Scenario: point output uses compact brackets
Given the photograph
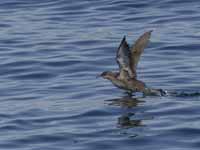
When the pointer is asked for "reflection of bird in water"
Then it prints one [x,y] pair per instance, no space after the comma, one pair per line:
[127,59]
[125,120]
[125,102]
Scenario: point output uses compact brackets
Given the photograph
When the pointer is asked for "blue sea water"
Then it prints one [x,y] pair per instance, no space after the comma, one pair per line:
[51,52]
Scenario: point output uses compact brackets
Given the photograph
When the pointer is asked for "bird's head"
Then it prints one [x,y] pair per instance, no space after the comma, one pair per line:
[108,75]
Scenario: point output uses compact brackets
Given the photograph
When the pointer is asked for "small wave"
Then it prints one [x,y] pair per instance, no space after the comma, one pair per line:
[185,94]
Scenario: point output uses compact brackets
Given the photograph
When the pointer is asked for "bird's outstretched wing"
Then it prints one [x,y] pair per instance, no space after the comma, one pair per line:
[123,59]
[137,49]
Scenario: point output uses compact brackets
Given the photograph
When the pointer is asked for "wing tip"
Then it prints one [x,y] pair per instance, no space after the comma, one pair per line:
[124,39]
[123,42]
[148,32]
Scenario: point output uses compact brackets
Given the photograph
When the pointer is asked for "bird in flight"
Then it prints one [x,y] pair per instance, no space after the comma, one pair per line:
[127,58]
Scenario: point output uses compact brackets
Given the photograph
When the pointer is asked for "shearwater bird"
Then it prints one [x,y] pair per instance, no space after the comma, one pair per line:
[127,58]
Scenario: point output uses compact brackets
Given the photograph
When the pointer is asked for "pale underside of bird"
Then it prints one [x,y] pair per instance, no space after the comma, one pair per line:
[127,58]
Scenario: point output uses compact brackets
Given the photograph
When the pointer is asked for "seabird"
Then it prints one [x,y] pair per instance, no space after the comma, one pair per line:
[127,58]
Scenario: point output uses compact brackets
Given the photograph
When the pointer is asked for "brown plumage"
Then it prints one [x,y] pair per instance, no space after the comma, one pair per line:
[127,58]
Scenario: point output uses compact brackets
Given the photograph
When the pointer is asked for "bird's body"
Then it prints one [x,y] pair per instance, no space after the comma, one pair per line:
[127,59]
[131,85]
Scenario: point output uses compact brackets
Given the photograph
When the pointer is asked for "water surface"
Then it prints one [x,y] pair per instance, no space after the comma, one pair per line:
[51,52]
